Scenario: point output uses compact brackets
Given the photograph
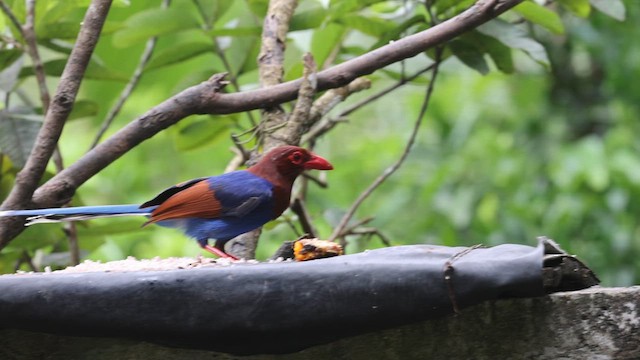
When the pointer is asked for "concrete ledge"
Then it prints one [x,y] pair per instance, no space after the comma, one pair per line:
[597,323]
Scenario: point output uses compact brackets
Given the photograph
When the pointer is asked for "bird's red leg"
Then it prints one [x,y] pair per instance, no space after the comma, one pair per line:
[218,252]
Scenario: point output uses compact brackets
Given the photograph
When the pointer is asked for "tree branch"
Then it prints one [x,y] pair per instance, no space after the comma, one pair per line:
[12,17]
[29,34]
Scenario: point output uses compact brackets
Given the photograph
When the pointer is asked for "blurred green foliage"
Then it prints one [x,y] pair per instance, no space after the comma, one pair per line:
[531,130]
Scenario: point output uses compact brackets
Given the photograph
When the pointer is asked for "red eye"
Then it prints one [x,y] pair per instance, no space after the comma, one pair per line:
[296,158]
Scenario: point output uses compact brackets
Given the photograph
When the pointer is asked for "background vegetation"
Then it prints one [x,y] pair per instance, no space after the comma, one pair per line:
[531,129]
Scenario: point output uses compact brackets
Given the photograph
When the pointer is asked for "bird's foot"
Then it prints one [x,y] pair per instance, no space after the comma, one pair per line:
[218,252]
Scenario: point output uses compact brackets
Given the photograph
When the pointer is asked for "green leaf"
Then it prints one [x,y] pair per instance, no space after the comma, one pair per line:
[3,23]
[95,71]
[581,8]
[397,31]
[84,108]
[613,8]
[368,25]
[211,10]
[258,7]
[239,31]
[58,30]
[249,63]
[81,108]
[470,55]
[442,6]
[626,162]
[499,53]
[516,38]
[49,13]
[540,15]
[342,7]
[324,40]
[51,68]
[594,161]
[9,73]
[387,7]
[8,57]
[178,53]
[471,48]
[308,19]
[153,22]
[488,208]
[17,136]
[200,131]
[57,46]
[395,75]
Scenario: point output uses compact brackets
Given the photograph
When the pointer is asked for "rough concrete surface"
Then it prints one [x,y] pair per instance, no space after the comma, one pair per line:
[597,323]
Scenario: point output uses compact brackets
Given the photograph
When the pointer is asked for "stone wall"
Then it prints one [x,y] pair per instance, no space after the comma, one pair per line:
[597,323]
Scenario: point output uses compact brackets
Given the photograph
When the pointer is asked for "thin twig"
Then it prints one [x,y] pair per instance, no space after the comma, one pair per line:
[318,181]
[25,258]
[292,226]
[131,85]
[404,80]
[71,231]
[29,34]
[12,17]
[359,229]
[357,224]
[239,159]
[232,77]
[370,232]
[6,40]
[330,122]
[223,57]
[390,170]
[448,271]
[326,103]
[299,208]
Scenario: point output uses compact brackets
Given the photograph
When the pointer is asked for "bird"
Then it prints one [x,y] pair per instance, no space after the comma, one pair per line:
[209,208]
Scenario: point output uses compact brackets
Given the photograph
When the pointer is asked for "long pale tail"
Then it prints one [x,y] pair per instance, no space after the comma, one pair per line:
[39,216]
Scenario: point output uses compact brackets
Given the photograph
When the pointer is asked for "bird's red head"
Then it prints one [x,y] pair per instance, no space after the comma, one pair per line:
[289,162]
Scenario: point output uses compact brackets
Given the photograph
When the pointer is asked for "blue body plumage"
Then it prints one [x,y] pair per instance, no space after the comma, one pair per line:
[218,207]
[246,202]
